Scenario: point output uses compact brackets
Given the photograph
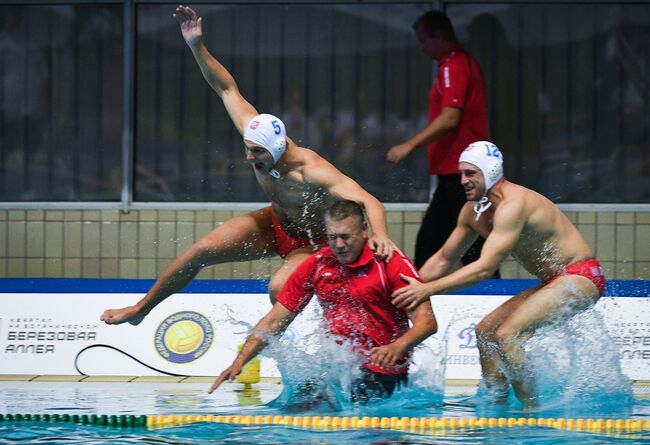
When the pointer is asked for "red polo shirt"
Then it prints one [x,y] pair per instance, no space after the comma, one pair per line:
[459,84]
[356,298]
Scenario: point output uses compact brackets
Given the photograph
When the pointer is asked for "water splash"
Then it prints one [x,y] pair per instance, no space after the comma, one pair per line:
[311,365]
[577,368]
[424,393]
[230,318]
[318,373]
[577,372]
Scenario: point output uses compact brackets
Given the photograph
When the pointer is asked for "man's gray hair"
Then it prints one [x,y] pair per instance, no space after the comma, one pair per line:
[345,208]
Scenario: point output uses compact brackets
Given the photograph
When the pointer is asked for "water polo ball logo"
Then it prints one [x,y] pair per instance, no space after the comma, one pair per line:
[184,337]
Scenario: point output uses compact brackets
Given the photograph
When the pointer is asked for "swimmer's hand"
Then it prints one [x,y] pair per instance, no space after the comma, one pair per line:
[229,373]
[410,296]
[190,24]
[397,153]
[386,356]
[382,246]
[129,314]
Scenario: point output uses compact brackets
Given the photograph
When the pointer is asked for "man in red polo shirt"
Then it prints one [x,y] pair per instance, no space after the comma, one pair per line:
[354,289]
[457,118]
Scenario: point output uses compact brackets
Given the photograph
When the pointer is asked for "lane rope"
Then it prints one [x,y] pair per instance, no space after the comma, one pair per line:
[333,422]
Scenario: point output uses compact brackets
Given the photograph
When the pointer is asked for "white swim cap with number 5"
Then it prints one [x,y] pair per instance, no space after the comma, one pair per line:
[267,131]
[487,157]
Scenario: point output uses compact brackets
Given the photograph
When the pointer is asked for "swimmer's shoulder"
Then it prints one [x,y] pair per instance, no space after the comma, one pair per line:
[309,156]
[529,200]
[315,168]
[302,157]
[300,161]
[514,203]
[467,214]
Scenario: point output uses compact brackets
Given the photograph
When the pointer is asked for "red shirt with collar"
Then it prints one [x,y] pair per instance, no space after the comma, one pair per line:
[459,84]
[356,298]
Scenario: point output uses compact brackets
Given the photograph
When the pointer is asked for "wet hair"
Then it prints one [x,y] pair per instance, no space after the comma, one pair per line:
[345,208]
[436,21]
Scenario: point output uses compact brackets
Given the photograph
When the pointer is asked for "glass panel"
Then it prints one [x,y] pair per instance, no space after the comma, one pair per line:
[60,102]
[569,94]
[568,88]
[348,81]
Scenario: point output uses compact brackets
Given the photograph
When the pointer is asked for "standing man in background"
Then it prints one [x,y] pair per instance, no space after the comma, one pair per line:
[457,118]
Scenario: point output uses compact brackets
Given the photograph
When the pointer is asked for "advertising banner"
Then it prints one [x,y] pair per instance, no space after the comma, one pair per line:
[188,334]
[626,320]
[198,334]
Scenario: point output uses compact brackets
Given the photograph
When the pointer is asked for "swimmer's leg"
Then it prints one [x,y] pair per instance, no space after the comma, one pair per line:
[560,299]
[493,364]
[243,238]
[289,264]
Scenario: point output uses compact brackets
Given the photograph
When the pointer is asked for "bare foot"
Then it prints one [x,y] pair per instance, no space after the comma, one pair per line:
[496,392]
[119,316]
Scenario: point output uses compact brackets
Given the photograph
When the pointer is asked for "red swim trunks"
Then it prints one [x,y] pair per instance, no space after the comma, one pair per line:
[589,269]
[287,243]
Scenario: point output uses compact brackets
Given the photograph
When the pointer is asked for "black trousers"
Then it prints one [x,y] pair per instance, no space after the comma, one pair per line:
[368,386]
[440,220]
[374,386]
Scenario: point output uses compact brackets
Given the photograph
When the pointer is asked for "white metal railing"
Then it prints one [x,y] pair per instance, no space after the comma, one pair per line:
[245,206]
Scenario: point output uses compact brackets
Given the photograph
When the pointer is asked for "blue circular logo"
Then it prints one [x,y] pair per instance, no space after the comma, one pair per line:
[183,337]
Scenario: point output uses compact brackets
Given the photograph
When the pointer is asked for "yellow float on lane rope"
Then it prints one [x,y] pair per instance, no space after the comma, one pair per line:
[421,424]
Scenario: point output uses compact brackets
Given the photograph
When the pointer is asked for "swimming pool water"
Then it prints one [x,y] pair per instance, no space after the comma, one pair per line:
[192,398]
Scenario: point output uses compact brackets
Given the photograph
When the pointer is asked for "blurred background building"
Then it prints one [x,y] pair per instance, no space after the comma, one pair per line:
[115,154]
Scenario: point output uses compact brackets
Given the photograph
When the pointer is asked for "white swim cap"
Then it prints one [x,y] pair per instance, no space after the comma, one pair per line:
[267,131]
[487,157]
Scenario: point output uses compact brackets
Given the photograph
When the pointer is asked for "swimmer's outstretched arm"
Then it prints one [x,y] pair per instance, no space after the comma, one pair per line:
[217,76]
[509,222]
[424,325]
[450,254]
[273,323]
[324,174]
